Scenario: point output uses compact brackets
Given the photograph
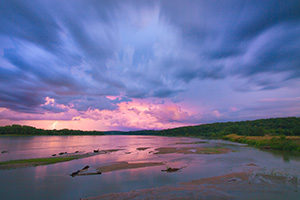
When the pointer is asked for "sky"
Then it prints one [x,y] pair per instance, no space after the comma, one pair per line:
[131,65]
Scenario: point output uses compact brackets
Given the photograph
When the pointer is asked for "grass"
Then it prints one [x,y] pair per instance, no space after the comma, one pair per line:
[211,150]
[39,161]
[287,143]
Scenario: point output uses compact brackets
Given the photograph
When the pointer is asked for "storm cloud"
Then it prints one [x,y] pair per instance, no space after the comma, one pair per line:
[93,55]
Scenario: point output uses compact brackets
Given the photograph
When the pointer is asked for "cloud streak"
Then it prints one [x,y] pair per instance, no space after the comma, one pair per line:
[97,56]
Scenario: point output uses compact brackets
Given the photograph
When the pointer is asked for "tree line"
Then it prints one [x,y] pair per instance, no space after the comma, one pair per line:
[289,126]
[29,130]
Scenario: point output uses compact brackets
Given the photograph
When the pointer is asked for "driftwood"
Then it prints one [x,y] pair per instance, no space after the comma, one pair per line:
[81,170]
[75,173]
[86,167]
[170,169]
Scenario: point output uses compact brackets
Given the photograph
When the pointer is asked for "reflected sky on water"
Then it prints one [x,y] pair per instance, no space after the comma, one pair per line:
[54,182]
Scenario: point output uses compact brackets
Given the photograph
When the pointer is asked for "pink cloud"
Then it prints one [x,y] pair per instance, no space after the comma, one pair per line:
[167,113]
[138,114]
[216,113]
[233,109]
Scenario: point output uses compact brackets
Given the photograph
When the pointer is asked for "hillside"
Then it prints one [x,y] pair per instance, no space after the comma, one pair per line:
[289,126]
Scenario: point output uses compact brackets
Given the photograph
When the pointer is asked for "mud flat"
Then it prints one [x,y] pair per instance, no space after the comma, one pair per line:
[117,166]
[125,165]
[192,150]
[199,142]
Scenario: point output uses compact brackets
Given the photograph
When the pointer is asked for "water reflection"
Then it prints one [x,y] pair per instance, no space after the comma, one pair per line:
[285,155]
[40,182]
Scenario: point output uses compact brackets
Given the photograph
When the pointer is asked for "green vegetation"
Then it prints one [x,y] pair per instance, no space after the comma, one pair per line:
[38,160]
[35,162]
[28,130]
[275,133]
[41,161]
[289,126]
[287,143]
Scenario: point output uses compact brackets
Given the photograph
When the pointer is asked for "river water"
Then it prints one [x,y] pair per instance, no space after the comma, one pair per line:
[54,182]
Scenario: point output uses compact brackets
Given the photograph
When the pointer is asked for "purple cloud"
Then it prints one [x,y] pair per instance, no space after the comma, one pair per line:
[209,55]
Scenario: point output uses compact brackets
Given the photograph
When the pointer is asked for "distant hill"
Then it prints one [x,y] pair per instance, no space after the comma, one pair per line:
[289,126]
[140,132]
[275,126]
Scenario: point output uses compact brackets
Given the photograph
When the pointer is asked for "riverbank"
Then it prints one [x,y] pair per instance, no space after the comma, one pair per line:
[285,143]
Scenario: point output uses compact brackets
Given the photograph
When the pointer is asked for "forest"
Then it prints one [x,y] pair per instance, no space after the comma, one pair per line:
[289,126]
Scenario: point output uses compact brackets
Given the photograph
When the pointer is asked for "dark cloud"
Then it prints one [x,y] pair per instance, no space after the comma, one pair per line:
[227,32]
[86,103]
[78,53]
[122,99]
[266,15]
[53,109]
[20,100]
[29,20]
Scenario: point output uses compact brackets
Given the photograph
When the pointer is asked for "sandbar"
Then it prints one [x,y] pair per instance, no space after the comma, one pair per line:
[125,165]
[32,162]
[192,150]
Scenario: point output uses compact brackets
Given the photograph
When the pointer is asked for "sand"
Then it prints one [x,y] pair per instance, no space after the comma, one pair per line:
[119,166]
[191,150]
[199,142]
[125,165]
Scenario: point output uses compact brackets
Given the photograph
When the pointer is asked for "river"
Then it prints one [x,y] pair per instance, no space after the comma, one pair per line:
[54,182]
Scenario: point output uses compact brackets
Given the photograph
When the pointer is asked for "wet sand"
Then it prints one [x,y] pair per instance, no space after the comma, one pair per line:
[117,166]
[125,165]
[233,177]
[199,142]
[192,150]
[238,185]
